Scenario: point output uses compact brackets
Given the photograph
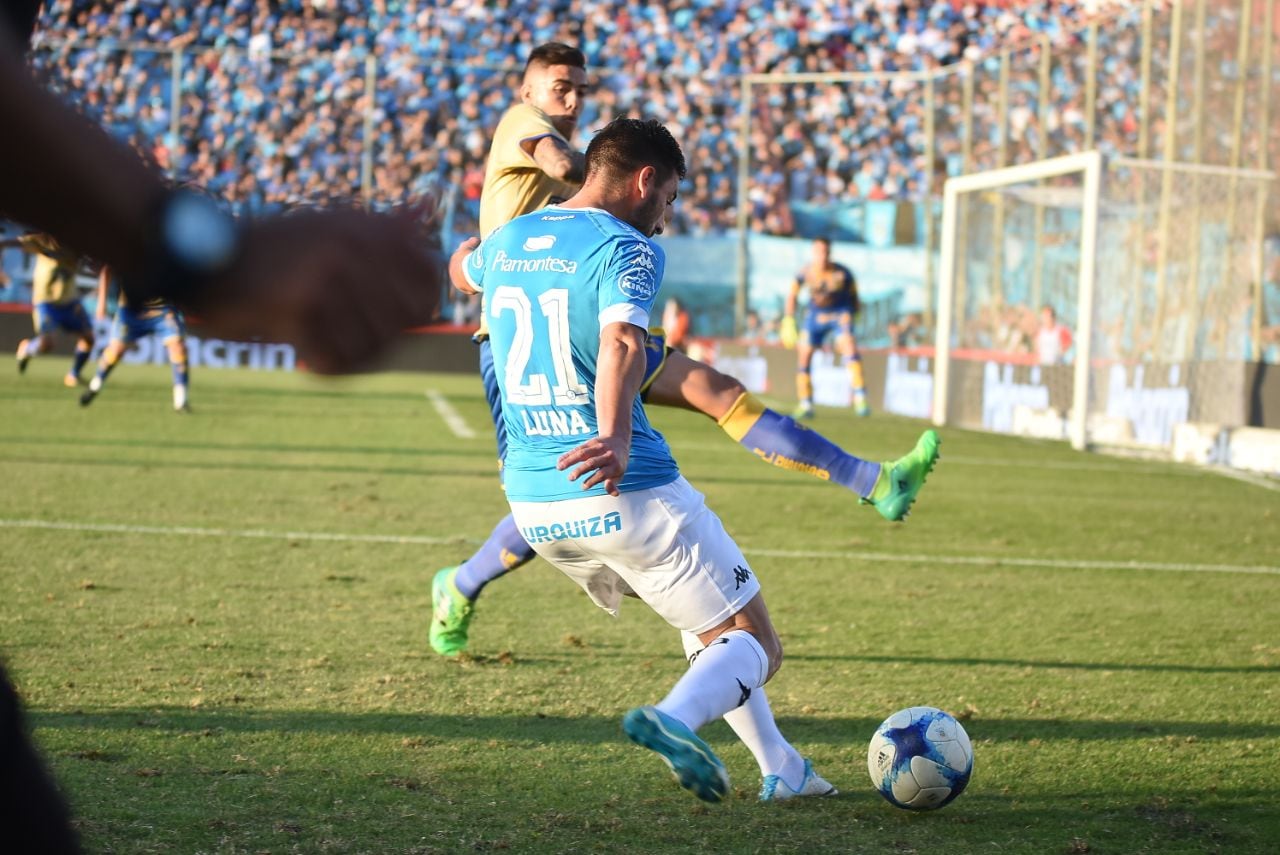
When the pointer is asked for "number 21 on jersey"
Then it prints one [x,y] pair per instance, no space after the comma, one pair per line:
[537,390]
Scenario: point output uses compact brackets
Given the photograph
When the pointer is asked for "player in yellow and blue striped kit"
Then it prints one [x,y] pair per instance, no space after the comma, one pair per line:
[55,303]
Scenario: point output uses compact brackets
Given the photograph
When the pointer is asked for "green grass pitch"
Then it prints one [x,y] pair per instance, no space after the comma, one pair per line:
[218,624]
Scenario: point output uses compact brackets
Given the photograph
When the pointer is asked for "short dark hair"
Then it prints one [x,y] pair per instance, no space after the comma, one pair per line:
[823,239]
[556,53]
[627,145]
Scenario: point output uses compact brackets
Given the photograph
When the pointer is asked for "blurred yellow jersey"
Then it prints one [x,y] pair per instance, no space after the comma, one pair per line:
[54,278]
[513,183]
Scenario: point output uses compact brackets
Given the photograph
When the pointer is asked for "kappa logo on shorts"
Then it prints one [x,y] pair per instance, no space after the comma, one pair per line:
[740,575]
[589,527]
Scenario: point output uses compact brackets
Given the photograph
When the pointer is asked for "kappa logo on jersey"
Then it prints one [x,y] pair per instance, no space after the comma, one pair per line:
[555,218]
[588,527]
[645,261]
[539,243]
[550,264]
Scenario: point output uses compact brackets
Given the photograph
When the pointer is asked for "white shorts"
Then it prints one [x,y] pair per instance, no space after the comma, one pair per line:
[663,544]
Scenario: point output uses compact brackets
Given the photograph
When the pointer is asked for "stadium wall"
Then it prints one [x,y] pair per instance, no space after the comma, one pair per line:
[995,392]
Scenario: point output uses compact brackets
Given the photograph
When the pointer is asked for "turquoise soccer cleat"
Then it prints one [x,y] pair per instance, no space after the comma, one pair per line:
[450,614]
[775,789]
[692,761]
[900,480]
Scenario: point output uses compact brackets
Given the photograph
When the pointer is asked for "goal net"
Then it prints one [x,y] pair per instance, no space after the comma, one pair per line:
[1100,300]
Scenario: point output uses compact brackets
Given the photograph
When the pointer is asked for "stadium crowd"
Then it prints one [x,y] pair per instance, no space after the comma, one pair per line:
[268,108]
[272,108]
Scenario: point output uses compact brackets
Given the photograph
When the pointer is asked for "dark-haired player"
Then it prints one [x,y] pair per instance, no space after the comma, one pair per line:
[531,164]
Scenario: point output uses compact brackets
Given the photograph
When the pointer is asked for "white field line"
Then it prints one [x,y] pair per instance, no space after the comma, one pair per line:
[191,531]
[1247,477]
[849,555]
[450,416]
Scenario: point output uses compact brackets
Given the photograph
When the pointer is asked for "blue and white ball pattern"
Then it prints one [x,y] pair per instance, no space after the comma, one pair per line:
[920,758]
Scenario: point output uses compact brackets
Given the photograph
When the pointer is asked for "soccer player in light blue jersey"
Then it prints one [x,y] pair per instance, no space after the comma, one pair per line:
[593,488]
[530,163]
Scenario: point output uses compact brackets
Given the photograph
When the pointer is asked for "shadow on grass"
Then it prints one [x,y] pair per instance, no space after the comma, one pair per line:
[592,729]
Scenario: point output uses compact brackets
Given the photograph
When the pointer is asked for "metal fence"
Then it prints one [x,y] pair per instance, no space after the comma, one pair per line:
[1191,81]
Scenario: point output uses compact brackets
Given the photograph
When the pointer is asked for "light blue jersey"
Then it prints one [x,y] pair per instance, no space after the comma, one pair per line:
[551,281]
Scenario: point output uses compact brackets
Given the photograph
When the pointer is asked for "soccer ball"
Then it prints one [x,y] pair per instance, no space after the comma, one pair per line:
[920,758]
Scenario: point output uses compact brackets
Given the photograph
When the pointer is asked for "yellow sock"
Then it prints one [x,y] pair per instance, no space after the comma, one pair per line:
[742,416]
[804,386]
[855,375]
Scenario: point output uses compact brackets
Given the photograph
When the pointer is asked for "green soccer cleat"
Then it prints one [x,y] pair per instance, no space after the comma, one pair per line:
[860,405]
[900,480]
[450,614]
[691,760]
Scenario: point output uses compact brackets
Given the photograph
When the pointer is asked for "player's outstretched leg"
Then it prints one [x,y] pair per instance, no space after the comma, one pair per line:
[785,773]
[110,357]
[804,391]
[721,677]
[27,348]
[787,444]
[901,479]
[454,590]
[857,386]
[177,348]
[83,348]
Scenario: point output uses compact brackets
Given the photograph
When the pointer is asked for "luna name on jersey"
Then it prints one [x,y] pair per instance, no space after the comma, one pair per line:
[553,423]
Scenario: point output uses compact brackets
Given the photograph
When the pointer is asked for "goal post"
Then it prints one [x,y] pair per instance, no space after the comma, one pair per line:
[1089,165]
[1101,300]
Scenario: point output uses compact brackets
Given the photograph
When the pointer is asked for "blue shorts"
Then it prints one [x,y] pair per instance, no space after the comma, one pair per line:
[129,327]
[818,324]
[51,317]
[655,352]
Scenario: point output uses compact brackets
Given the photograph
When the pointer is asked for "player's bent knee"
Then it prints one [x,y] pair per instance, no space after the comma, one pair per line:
[111,355]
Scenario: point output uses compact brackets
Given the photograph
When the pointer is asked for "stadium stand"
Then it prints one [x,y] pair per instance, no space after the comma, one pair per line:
[273,104]
[271,96]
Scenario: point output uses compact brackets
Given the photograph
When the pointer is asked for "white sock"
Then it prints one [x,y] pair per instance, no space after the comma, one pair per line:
[95,385]
[754,724]
[179,396]
[721,677]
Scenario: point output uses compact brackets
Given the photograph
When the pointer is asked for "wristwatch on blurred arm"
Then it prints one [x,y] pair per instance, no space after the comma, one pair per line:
[191,243]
